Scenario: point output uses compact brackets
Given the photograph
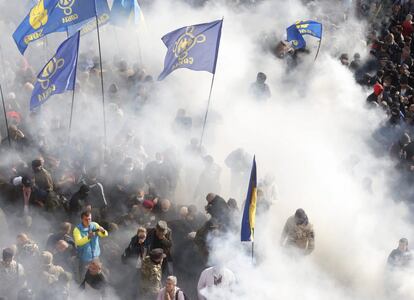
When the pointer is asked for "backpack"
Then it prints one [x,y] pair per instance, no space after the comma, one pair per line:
[177,292]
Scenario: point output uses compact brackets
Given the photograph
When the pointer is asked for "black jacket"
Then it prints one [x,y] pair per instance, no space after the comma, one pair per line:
[219,210]
[135,250]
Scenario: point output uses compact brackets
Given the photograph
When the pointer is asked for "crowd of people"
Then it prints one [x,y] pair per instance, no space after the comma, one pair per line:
[83,220]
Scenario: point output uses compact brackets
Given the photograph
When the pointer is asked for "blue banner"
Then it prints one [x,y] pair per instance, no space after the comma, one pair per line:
[59,74]
[102,10]
[192,47]
[296,32]
[49,16]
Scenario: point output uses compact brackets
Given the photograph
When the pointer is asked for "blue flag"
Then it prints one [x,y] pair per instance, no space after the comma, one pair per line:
[59,74]
[249,213]
[125,12]
[102,10]
[192,47]
[296,32]
[49,16]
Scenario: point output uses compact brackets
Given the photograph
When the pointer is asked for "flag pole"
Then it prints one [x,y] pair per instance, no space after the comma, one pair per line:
[73,92]
[139,47]
[209,96]
[71,111]
[5,115]
[319,47]
[252,252]
[102,80]
[208,107]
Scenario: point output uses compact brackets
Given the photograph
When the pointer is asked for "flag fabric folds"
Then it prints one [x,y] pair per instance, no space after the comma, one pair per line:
[125,12]
[296,32]
[59,74]
[49,16]
[193,47]
[249,213]
[103,13]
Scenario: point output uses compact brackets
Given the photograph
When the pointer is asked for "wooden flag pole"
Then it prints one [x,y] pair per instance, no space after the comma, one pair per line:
[5,115]
[102,80]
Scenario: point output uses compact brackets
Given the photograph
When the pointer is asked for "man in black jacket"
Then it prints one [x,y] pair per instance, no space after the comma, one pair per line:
[79,200]
[217,208]
[160,237]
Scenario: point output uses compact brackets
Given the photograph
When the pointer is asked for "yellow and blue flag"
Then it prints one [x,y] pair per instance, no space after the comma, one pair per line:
[193,47]
[125,12]
[249,213]
[296,32]
[49,16]
[59,74]
[103,13]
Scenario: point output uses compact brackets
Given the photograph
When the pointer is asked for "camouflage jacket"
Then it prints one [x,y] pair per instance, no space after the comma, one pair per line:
[299,236]
[150,276]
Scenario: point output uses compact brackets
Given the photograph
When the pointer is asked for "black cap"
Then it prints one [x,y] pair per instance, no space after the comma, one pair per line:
[157,254]
[36,163]
[8,253]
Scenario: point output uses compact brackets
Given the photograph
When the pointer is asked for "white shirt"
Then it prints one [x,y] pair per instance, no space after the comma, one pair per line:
[213,279]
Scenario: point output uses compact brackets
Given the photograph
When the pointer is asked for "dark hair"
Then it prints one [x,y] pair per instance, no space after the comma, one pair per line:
[85,214]
[84,189]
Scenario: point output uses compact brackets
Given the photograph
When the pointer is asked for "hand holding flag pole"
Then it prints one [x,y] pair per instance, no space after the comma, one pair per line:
[296,32]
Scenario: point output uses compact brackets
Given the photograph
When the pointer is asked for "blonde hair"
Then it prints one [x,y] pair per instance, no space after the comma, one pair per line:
[141,229]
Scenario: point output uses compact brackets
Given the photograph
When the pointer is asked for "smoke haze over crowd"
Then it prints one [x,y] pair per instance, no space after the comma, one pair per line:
[314,136]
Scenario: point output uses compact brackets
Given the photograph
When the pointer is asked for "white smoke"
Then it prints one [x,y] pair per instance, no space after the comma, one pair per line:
[313,135]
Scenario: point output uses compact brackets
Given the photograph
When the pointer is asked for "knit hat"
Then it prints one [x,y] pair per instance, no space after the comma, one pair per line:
[378,89]
[148,204]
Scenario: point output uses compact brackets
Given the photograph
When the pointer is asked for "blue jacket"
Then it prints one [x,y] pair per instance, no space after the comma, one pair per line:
[88,249]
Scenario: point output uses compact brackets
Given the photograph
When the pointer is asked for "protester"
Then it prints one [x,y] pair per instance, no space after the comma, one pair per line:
[94,278]
[171,291]
[86,235]
[215,281]
[400,257]
[160,238]
[298,233]
[259,89]
[11,275]
[151,273]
